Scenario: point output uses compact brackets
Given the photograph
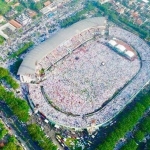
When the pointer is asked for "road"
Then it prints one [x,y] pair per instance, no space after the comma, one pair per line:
[17,128]
[47,129]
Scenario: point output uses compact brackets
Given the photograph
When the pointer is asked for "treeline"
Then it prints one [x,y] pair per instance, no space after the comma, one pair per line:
[10,141]
[118,19]
[3,130]
[39,136]
[22,50]
[125,123]
[143,129]
[12,144]
[71,20]
[6,77]
[37,6]
[18,106]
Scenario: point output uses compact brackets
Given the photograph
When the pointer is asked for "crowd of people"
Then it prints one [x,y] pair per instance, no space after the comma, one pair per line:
[67,47]
[85,79]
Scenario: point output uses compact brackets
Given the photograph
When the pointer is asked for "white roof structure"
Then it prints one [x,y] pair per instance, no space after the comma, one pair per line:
[112,43]
[29,63]
[56,126]
[130,54]
[48,9]
[120,48]
[146,1]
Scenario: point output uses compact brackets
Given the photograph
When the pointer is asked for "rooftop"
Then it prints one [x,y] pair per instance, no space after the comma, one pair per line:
[15,23]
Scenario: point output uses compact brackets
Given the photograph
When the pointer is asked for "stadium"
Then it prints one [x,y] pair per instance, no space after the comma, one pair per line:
[85,74]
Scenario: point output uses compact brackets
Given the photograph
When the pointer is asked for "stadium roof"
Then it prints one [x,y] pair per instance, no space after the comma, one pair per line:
[36,54]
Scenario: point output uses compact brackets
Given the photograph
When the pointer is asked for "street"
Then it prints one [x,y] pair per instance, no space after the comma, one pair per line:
[17,128]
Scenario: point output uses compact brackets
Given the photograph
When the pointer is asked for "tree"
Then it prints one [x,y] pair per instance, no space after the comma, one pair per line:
[19,107]
[5,75]
[11,146]
[139,135]
[145,125]
[3,130]
[36,6]
[39,136]
[131,145]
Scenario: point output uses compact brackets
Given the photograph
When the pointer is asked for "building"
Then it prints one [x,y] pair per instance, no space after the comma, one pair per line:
[15,23]
[36,1]
[3,27]
[23,19]
[11,13]
[104,1]
[47,3]
[48,9]
[31,13]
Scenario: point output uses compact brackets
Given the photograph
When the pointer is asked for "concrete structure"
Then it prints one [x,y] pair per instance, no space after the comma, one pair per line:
[7,25]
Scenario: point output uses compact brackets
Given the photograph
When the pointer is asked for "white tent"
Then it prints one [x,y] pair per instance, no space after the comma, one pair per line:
[120,48]
[112,43]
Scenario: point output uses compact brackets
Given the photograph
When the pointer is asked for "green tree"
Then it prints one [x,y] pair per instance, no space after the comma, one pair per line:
[3,130]
[39,136]
[145,125]
[139,135]
[131,145]
[37,6]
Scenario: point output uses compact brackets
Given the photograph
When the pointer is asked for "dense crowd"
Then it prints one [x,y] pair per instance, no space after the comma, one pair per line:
[84,80]
[68,47]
